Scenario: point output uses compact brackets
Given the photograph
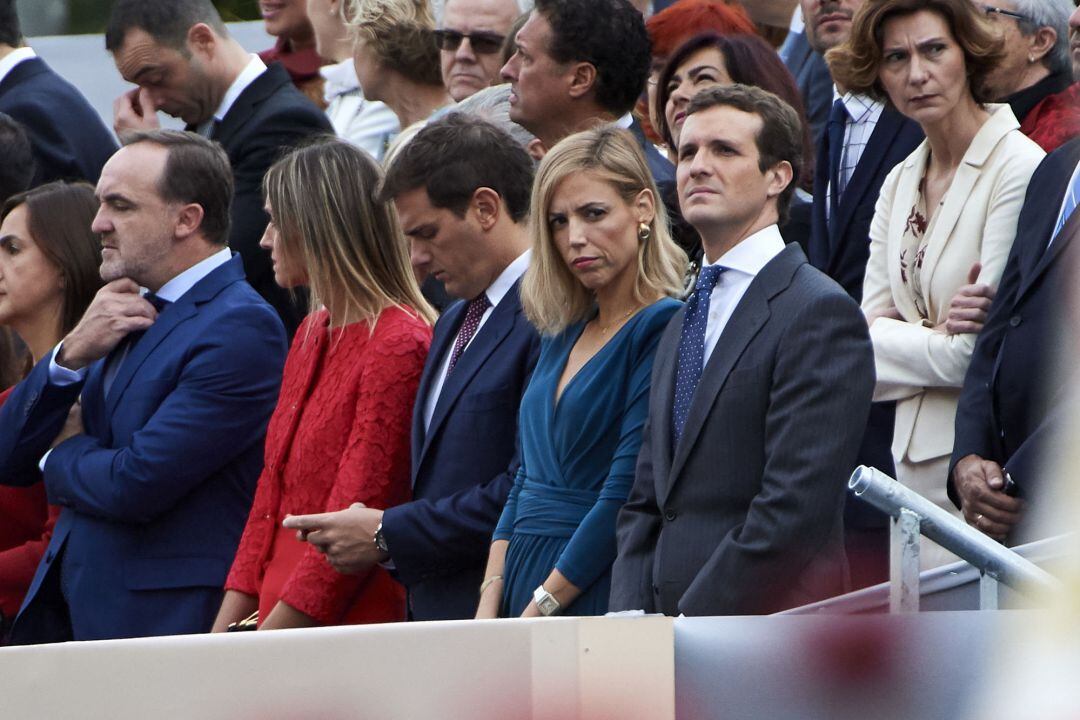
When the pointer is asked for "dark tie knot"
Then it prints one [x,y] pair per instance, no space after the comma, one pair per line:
[708,277]
[839,113]
[158,302]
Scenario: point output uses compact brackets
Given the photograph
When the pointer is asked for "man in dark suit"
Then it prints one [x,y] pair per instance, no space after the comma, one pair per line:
[863,140]
[461,187]
[180,55]
[579,64]
[1014,396]
[154,408]
[760,390]
[68,138]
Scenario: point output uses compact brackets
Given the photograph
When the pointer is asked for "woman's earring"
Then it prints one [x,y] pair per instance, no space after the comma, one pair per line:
[644,232]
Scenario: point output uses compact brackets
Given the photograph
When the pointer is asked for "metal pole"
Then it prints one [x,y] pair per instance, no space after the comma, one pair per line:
[987,555]
[989,592]
[904,563]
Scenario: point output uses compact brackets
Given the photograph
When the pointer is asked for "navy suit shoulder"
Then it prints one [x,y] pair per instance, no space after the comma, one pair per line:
[463,465]
[69,140]
[156,492]
[1011,394]
[269,118]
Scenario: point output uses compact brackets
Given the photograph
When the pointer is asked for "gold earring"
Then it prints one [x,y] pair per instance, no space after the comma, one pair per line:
[644,232]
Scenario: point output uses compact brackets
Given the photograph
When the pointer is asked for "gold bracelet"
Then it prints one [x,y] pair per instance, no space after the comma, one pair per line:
[484,585]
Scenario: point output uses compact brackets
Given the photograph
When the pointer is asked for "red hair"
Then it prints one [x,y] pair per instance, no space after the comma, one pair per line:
[670,27]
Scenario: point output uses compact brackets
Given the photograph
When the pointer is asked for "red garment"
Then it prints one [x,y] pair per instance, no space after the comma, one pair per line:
[26,525]
[302,66]
[1055,120]
[339,435]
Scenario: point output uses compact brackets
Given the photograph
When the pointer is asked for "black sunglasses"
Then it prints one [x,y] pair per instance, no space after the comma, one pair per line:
[991,10]
[483,43]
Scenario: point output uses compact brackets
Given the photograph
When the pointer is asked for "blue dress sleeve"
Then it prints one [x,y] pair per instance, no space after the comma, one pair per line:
[592,549]
[505,528]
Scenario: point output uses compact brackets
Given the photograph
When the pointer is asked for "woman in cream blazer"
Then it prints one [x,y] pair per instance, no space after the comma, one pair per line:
[945,213]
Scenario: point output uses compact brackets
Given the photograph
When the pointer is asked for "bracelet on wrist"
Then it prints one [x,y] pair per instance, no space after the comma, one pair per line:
[484,585]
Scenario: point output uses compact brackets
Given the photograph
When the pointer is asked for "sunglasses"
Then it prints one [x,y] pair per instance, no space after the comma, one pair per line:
[990,11]
[483,43]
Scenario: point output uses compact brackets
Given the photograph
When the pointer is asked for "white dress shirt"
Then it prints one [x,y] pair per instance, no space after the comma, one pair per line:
[743,263]
[495,294]
[248,75]
[13,58]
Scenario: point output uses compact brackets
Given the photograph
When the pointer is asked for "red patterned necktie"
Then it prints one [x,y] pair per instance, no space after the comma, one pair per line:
[475,311]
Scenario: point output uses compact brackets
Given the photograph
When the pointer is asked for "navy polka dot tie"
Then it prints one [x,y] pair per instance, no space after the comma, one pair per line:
[692,347]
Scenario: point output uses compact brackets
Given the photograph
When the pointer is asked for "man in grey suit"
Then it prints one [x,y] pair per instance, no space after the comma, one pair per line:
[760,391]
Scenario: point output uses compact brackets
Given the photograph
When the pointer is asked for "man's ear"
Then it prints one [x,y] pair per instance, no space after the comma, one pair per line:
[486,206]
[202,40]
[779,177]
[582,79]
[188,221]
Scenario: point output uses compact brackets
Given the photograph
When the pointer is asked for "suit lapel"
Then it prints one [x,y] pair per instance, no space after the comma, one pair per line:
[445,332]
[1050,208]
[487,338]
[241,111]
[663,390]
[1067,235]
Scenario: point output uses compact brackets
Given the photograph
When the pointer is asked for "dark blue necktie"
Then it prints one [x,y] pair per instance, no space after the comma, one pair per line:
[120,353]
[835,130]
[691,359]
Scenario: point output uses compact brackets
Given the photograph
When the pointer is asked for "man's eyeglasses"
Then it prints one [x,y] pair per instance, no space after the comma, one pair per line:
[483,43]
[991,11]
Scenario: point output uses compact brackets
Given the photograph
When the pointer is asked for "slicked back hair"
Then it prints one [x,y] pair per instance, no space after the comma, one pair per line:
[167,21]
[455,156]
[196,171]
[608,34]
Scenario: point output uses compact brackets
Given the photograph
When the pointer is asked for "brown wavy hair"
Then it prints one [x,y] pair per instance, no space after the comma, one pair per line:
[856,64]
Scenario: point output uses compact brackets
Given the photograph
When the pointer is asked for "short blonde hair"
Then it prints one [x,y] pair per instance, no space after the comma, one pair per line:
[401,33]
[551,296]
[324,197]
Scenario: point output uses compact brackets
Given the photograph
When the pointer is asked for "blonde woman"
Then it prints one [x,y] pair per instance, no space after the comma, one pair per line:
[600,290]
[340,433]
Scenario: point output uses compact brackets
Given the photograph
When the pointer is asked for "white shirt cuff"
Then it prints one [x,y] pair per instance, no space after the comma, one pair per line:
[44,459]
[60,375]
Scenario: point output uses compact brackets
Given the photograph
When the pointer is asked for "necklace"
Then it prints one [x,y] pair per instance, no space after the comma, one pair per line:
[617,321]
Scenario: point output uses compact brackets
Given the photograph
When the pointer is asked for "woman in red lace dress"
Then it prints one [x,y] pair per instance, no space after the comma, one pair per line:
[49,262]
[340,433]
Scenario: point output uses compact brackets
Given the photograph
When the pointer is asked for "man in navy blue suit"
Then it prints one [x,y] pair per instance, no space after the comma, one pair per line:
[863,140]
[1013,400]
[147,420]
[68,138]
[461,188]
[186,64]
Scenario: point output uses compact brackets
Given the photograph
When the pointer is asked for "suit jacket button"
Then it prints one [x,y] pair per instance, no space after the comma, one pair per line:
[1015,320]
[670,515]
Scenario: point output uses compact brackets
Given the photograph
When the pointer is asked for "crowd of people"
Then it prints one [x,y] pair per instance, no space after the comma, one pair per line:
[500,308]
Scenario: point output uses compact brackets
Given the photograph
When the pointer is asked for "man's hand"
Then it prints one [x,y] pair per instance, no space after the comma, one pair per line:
[346,537]
[980,484]
[72,426]
[115,311]
[134,110]
[970,305]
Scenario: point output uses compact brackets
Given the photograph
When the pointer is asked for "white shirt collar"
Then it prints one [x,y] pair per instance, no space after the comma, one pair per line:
[754,252]
[14,58]
[857,106]
[179,285]
[251,71]
[507,278]
[625,121]
[340,79]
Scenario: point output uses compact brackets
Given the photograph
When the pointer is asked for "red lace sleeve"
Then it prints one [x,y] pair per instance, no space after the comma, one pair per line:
[375,466]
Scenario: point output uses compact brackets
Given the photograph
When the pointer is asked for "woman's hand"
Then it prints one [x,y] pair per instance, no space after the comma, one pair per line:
[564,591]
[491,597]
[286,616]
[969,307]
[235,606]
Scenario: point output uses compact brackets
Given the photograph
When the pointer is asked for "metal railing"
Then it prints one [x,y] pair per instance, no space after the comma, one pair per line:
[913,515]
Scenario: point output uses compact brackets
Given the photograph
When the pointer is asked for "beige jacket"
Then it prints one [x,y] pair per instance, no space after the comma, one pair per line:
[920,368]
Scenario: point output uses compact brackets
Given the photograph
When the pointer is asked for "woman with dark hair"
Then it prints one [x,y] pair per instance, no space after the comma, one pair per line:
[946,216]
[340,432]
[49,261]
[710,59]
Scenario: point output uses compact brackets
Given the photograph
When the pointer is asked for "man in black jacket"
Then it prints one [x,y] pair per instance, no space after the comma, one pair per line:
[185,64]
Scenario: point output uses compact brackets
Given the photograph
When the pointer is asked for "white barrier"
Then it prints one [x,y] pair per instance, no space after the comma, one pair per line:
[547,669]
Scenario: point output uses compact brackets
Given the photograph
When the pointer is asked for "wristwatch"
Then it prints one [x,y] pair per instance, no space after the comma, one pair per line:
[546,602]
[380,540]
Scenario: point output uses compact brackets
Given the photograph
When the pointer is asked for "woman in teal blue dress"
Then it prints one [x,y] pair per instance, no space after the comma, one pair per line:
[599,288]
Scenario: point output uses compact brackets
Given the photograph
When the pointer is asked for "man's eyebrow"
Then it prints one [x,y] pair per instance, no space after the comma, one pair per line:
[113,197]
[418,228]
[144,70]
